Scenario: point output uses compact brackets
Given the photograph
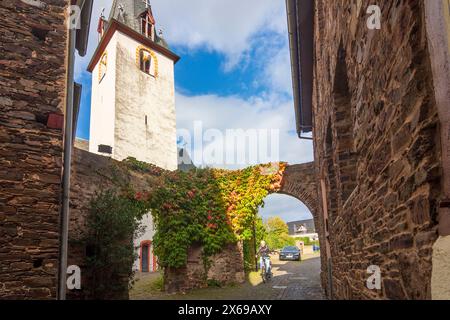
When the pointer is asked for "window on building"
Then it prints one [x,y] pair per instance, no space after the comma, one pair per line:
[145,59]
[102,67]
[147,26]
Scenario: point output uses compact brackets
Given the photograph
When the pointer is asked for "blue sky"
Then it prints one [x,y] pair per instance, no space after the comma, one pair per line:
[234,73]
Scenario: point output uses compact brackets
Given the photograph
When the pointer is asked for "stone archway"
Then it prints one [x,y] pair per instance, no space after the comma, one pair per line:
[299,181]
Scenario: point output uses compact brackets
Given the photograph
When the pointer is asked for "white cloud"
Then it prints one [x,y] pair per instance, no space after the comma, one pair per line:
[231,112]
[227,27]
[279,71]
[286,207]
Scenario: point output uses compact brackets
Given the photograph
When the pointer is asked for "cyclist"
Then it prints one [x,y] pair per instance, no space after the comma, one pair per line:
[264,254]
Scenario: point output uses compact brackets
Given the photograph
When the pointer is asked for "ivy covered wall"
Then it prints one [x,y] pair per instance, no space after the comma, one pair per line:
[198,216]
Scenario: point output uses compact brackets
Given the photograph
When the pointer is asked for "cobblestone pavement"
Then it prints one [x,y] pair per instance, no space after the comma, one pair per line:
[292,281]
[296,280]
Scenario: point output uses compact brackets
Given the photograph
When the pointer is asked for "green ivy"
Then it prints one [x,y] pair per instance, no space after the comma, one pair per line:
[209,207]
[188,209]
[206,207]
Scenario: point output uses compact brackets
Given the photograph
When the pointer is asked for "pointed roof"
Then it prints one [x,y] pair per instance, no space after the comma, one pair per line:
[125,17]
[130,13]
[149,12]
[131,9]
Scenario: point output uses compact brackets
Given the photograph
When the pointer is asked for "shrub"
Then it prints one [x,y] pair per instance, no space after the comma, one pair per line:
[113,221]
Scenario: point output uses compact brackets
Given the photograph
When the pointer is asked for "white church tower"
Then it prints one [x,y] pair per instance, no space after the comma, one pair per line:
[133,91]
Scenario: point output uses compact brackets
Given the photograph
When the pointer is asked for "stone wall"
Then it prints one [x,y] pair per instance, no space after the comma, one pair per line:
[227,267]
[437,17]
[91,174]
[299,181]
[376,138]
[32,87]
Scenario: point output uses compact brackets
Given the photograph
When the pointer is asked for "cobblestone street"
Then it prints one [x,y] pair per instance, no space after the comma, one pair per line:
[292,281]
[295,280]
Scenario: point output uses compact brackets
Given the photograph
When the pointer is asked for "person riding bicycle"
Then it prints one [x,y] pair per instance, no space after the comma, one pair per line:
[264,254]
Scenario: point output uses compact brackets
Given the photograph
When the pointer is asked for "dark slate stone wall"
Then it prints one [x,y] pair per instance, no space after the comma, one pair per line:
[32,87]
[376,140]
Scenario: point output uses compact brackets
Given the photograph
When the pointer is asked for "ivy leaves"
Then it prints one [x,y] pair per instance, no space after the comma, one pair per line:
[210,207]
[207,207]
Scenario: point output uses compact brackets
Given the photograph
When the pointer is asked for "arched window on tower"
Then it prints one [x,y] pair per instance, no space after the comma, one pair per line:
[102,67]
[146,61]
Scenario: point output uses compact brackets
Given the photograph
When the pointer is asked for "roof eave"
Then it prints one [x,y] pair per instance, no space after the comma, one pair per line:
[82,37]
[114,26]
[301,28]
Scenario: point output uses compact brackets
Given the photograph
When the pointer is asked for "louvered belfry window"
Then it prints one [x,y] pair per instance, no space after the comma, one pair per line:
[147,25]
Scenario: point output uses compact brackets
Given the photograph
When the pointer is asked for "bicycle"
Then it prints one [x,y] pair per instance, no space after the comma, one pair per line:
[266,276]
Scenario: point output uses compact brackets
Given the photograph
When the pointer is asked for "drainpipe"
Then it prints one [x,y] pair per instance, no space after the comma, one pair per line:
[68,138]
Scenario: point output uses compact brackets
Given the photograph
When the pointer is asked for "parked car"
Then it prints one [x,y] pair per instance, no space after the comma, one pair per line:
[290,253]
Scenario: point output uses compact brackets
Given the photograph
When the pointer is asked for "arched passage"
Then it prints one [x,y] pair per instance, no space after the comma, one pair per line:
[296,203]
[299,181]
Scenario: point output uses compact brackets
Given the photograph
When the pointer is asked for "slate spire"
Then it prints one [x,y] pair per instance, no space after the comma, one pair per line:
[132,12]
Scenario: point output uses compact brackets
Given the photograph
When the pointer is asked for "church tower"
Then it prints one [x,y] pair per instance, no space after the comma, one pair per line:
[133,91]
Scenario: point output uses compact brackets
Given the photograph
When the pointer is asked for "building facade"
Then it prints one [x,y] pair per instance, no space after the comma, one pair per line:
[34,80]
[301,227]
[379,119]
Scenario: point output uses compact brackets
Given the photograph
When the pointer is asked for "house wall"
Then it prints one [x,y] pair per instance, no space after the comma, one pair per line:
[32,88]
[377,149]
[146,238]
